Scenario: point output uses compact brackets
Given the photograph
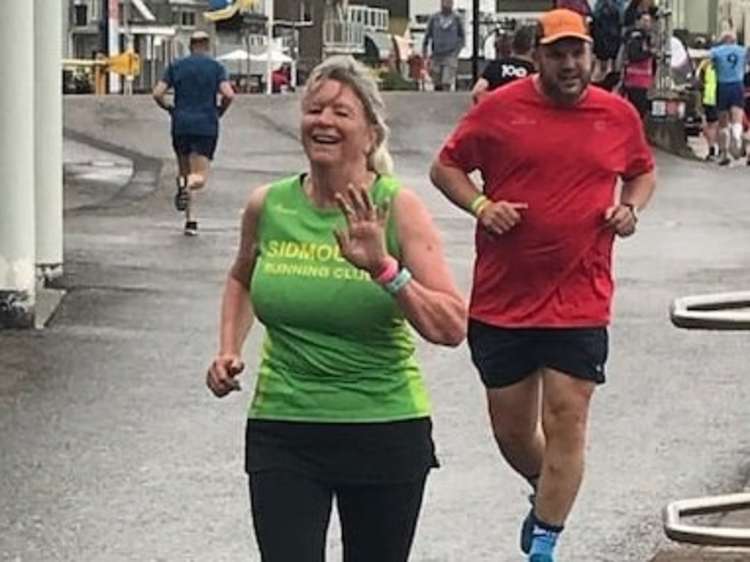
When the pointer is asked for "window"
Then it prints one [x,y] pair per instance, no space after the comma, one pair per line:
[188,19]
[80,15]
[185,18]
[305,11]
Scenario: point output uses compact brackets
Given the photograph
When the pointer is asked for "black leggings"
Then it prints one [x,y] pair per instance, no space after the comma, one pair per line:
[291,512]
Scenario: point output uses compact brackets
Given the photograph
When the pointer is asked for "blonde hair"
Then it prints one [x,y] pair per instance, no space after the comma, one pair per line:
[358,77]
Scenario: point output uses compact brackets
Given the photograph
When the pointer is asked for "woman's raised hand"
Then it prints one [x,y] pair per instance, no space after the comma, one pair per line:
[362,242]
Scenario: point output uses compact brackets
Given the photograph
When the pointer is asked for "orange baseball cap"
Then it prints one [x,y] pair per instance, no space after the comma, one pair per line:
[562,23]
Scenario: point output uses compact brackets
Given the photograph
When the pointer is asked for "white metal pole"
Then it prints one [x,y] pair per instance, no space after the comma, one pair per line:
[129,45]
[114,43]
[17,246]
[48,150]
[65,29]
[269,47]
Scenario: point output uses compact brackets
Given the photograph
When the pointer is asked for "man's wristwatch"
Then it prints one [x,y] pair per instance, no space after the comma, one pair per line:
[633,210]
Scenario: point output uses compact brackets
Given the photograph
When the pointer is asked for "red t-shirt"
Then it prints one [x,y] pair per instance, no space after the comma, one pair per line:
[554,268]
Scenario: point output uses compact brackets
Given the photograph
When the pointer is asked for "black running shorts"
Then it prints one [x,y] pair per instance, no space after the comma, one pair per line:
[711,113]
[506,356]
[185,145]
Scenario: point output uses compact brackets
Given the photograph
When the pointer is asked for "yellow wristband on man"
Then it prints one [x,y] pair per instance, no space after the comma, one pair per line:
[479,204]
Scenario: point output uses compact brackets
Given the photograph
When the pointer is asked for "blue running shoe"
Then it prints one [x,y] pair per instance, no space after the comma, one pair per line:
[527,528]
[541,558]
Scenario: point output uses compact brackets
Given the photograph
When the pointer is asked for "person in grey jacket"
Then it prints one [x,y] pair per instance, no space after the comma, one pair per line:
[445,30]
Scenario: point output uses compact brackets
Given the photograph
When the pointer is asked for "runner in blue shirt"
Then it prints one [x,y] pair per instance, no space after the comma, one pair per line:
[730,62]
[197,81]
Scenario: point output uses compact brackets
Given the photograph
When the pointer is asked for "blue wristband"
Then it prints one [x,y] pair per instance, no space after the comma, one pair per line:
[399,282]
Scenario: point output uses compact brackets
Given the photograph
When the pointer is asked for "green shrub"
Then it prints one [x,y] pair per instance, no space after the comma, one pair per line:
[391,80]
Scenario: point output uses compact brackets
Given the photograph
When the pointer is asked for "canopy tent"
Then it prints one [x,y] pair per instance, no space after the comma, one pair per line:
[239,61]
[378,45]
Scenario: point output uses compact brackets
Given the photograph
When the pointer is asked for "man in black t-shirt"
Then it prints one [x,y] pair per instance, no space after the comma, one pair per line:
[505,70]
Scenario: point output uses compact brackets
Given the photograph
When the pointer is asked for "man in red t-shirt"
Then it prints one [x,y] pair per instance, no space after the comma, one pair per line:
[551,149]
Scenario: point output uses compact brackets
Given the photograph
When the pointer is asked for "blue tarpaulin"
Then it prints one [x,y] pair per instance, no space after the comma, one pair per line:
[219,4]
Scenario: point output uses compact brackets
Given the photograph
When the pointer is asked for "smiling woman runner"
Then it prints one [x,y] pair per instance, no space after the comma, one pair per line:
[337,261]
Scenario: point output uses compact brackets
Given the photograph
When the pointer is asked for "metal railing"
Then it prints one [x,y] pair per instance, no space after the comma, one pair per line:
[679,531]
[343,37]
[722,311]
[373,19]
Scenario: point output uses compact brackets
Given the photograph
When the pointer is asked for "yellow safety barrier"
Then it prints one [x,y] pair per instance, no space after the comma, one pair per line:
[126,64]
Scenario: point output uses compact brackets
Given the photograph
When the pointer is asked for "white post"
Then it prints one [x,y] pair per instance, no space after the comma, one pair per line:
[129,44]
[269,45]
[17,245]
[114,43]
[48,150]
[65,28]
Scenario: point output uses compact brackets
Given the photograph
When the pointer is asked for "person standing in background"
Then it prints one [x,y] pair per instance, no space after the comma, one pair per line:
[637,7]
[606,31]
[504,70]
[730,62]
[707,78]
[638,64]
[443,41]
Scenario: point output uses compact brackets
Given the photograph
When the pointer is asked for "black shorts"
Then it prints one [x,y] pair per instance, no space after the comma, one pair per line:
[342,453]
[506,356]
[606,47]
[639,98]
[711,113]
[185,145]
[729,95]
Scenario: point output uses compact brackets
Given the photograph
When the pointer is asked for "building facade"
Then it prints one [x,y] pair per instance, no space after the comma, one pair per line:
[308,30]
[158,30]
[325,27]
[711,17]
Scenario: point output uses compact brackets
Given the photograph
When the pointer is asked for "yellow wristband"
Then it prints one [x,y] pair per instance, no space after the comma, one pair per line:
[478,204]
[481,208]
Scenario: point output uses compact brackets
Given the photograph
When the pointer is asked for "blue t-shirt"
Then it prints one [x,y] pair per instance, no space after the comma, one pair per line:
[195,80]
[730,62]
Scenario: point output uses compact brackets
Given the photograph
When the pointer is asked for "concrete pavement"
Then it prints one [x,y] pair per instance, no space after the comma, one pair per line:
[113,450]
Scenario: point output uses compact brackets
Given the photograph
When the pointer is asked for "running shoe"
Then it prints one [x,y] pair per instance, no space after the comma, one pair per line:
[541,558]
[527,527]
[182,197]
[725,161]
[191,228]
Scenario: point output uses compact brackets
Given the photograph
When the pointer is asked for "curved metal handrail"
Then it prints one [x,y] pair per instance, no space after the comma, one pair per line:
[719,311]
[677,530]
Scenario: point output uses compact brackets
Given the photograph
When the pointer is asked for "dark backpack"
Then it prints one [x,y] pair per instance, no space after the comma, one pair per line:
[580,6]
[637,47]
[607,19]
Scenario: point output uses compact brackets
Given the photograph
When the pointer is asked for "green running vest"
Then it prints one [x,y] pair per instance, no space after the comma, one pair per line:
[337,347]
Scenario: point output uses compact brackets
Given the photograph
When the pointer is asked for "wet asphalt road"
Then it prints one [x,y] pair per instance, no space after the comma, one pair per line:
[112,449]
